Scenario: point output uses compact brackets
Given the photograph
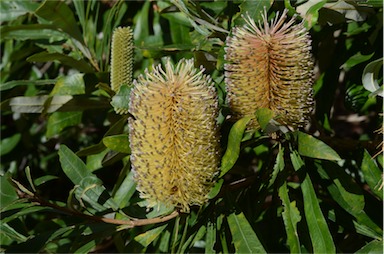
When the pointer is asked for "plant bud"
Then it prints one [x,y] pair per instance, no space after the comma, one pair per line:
[270,66]
[174,135]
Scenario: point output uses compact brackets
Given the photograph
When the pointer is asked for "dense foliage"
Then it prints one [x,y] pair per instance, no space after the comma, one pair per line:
[66,179]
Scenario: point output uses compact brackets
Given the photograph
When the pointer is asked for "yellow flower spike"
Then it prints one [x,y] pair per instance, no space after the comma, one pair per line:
[270,66]
[121,61]
[174,136]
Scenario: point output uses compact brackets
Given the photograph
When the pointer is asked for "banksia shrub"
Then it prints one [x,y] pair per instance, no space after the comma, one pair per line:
[270,66]
[121,61]
[173,135]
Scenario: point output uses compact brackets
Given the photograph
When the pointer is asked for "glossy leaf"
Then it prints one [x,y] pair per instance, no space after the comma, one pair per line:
[60,120]
[291,217]
[233,149]
[309,146]
[10,10]
[372,174]
[91,188]
[149,236]
[321,238]
[244,238]
[370,77]
[69,85]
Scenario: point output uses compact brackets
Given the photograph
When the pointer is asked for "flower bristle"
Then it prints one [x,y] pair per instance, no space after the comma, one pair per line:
[270,66]
[121,60]
[173,135]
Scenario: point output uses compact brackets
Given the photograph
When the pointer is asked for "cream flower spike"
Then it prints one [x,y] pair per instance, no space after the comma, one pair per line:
[270,66]
[173,135]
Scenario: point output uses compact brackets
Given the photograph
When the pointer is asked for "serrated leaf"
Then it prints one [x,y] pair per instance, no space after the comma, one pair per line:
[372,174]
[149,236]
[291,217]
[60,120]
[244,238]
[309,146]
[279,165]
[321,238]
[7,144]
[91,188]
[233,149]
[118,143]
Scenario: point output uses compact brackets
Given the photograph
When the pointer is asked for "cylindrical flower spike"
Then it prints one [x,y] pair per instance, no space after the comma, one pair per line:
[270,66]
[174,136]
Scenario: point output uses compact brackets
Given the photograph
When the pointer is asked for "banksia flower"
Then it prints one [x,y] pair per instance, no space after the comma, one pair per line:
[173,135]
[270,67]
[121,62]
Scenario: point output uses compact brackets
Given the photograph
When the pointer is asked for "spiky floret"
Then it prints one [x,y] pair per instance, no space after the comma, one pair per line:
[173,135]
[121,60]
[270,66]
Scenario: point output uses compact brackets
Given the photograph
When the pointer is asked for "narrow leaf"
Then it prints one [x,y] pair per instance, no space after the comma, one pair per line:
[36,104]
[13,83]
[321,238]
[210,238]
[125,191]
[149,236]
[374,246]
[118,143]
[291,217]
[233,149]
[244,238]
[314,148]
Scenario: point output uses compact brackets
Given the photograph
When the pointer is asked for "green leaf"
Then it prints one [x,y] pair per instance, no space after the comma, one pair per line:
[69,85]
[32,32]
[120,100]
[309,146]
[233,149]
[41,180]
[264,117]
[370,77]
[125,191]
[291,217]
[7,192]
[216,189]
[210,238]
[11,232]
[118,143]
[356,59]
[321,238]
[36,104]
[244,238]
[372,174]
[80,65]
[149,236]
[254,9]
[10,10]
[60,120]
[374,246]
[13,83]
[8,144]
[279,165]
[90,188]
[60,15]
[196,236]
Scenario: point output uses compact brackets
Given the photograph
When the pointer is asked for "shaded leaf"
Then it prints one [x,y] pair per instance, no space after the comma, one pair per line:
[210,238]
[372,174]
[13,83]
[291,217]
[244,238]
[8,144]
[60,120]
[7,192]
[321,238]
[309,146]
[233,149]
[125,191]
[10,10]
[279,165]
[370,77]
[356,59]
[149,236]
[32,32]
[216,189]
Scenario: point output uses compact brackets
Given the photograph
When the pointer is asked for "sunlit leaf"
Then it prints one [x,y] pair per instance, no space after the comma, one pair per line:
[374,246]
[32,32]
[254,9]
[356,59]
[233,149]
[149,236]
[309,146]
[244,238]
[10,10]
[120,100]
[125,191]
[69,85]
[118,143]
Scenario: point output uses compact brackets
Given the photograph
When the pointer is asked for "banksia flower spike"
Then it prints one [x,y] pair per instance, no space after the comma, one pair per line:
[173,135]
[121,61]
[270,66]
